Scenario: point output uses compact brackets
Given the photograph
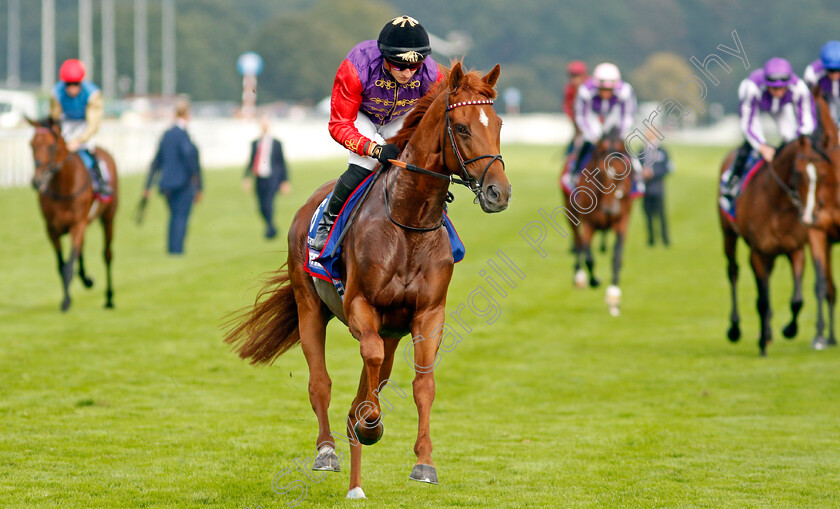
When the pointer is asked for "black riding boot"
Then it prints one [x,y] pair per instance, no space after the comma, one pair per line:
[103,187]
[585,149]
[347,183]
[738,170]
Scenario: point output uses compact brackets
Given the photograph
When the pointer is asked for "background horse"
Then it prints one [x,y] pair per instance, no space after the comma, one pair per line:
[774,211]
[65,192]
[603,201]
[826,227]
[396,267]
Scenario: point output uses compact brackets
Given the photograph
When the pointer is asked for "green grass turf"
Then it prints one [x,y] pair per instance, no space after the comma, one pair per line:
[555,404]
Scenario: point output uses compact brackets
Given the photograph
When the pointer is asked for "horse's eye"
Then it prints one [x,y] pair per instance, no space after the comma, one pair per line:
[462,129]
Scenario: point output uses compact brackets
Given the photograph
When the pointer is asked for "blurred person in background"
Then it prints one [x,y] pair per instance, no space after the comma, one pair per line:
[578,73]
[267,167]
[825,74]
[375,86]
[656,164]
[77,104]
[180,176]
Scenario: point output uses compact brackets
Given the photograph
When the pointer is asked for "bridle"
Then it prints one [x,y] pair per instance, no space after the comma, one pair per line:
[52,168]
[466,180]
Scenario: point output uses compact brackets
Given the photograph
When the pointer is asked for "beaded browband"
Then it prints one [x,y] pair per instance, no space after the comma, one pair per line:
[469,103]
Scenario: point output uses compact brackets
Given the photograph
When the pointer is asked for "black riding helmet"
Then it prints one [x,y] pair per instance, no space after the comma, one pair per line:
[403,39]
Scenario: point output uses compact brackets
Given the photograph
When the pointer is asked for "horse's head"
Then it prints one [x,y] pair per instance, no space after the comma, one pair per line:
[472,137]
[812,183]
[615,171]
[48,150]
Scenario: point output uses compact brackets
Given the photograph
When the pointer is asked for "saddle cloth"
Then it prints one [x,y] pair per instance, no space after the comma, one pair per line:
[324,265]
[727,203]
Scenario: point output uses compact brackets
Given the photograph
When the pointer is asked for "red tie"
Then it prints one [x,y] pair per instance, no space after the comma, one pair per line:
[257,157]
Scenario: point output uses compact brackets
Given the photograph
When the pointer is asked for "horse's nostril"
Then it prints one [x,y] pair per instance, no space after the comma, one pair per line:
[493,193]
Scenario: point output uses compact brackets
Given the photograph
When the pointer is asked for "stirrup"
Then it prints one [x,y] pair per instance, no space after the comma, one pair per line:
[322,233]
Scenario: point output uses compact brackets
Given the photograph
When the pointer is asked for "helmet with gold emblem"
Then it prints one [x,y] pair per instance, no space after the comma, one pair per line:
[404,40]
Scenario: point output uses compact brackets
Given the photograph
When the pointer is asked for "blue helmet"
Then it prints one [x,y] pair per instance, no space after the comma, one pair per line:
[830,55]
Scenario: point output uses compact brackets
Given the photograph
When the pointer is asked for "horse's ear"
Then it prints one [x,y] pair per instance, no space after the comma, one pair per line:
[492,76]
[456,75]
[805,142]
[33,123]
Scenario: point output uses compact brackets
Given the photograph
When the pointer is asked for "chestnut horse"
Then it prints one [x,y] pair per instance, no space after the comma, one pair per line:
[65,192]
[602,202]
[396,267]
[774,212]
[826,227]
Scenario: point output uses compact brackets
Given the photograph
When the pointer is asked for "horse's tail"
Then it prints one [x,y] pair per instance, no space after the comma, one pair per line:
[270,328]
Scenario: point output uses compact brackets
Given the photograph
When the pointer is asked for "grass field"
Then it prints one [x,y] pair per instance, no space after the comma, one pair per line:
[555,404]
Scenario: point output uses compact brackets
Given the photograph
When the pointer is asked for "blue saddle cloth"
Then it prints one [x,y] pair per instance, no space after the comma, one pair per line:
[727,204]
[324,265]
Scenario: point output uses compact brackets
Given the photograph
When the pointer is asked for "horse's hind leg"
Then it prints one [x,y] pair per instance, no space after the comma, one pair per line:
[108,229]
[762,266]
[797,264]
[730,244]
[77,235]
[586,246]
[831,296]
[817,240]
[312,324]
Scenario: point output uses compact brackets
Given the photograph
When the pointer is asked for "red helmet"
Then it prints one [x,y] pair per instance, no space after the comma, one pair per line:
[576,67]
[72,71]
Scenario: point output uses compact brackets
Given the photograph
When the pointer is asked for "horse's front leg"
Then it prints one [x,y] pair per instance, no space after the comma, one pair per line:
[797,265]
[613,296]
[762,266]
[831,296]
[586,247]
[77,235]
[426,331]
[730,245]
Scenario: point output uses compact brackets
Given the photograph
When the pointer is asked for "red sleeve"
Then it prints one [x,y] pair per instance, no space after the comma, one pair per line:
[569,101]
[344,108]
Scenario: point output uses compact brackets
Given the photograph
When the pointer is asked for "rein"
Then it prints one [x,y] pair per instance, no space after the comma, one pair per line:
[466,180]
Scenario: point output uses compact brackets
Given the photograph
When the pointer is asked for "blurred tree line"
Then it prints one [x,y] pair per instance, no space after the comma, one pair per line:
[303,41]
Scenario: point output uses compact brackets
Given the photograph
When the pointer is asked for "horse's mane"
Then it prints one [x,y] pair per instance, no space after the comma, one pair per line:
[472,81]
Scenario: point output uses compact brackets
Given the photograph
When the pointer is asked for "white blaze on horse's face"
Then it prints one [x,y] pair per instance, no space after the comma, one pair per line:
[482,117]
[810,202]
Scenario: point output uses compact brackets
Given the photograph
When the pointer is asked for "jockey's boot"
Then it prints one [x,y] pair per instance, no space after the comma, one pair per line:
[734,182]
[104,188]
[347,183]
[583,153]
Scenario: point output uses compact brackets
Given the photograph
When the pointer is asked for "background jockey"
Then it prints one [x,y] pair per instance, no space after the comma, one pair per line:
[603,103]
[825,73]
[775,89]
[77,104]
[375,86]
[578,73]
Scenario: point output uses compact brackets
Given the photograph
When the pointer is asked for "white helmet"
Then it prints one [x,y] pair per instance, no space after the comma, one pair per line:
[606,75]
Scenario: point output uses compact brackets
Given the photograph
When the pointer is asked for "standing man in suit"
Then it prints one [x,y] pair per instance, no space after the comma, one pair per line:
[656,164]
[180,179]
[268,167]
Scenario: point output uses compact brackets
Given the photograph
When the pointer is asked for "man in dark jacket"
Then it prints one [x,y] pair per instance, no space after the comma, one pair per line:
[180,179]
[268,167]
[655,166]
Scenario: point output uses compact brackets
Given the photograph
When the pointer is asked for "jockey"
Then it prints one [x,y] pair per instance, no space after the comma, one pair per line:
[777,90]
[825,73]
[375,86]
[77,104]
[603,103]
[578,73]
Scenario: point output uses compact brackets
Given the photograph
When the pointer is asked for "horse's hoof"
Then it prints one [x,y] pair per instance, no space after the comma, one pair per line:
[109,305]
[594,282]
[832,341]
[734,332]
[356,493]
[65,305]
[379,430]
[819,343]
[580,279]
[88,282]
[326,460]
[614,311]
[790,330]
[762,352]
[424,473]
